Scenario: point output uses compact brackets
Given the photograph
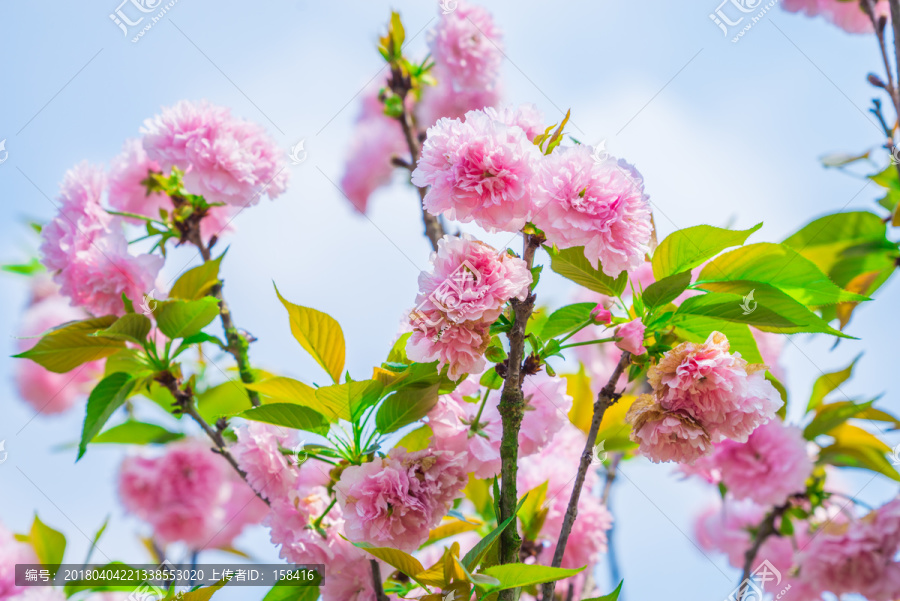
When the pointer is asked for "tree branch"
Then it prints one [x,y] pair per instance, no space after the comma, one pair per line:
[184,398]
[238,346]
[512,410]
[765,530]
[607,397]
[376,581]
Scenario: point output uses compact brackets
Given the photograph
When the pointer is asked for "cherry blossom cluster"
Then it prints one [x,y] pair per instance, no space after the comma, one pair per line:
[702,394]
[846,15]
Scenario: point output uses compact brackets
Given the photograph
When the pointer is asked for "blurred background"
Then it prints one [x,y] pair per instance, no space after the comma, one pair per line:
[724,133]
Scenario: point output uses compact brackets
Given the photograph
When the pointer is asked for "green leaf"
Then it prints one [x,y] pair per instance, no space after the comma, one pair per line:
[404,562]
[290,592]
[696,328]
[71,345]
[183,318]
[613,596]
[566,319]
[49,545]
[135,432]
[416,440]
[319,334]
[781,267]
[205,593]
[407,405]
[533,512]
[223,400]
[290,416]
[827,383]
[348,401]
[32,267]
[287,390]
[685,249]
[769,308]
[515,575]
[471,559]
[829,417]
[196,283]
[663,292]
[860,457]
[107,396]
[572,264]
[132,327]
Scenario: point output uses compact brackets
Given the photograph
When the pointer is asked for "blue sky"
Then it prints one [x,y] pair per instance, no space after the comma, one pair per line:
[723,133]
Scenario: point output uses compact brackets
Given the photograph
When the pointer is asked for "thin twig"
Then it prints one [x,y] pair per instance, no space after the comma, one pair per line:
[605,400]
[765,530]
[376,581]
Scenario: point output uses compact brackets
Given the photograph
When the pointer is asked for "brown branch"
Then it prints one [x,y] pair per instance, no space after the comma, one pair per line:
[512,411]
[376,581]
[765,530]
[238,346]
[184,399]
[607,397]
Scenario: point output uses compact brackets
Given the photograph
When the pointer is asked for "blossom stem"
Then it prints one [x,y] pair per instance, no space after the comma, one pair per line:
[607,397]
[576,330]
[318,523]
[512,411]
[184,398]
[765,530]
[600,341]
[474,424]
[238,346]
[376,581]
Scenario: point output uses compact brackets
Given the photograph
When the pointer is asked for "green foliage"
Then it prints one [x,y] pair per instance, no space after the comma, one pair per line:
[223,400]
[515,575]
[685,249]
[197,282]
[572,264]
[697,328]
[70,345]
[859,456]
[416,440]
[830,416]
[781,267]
[136,432]
[107,396]
[49,545]
[566,319]
[534,511]
[348,401]
[827,383]
[471,559]
[666,290]
[613,596]
[319,334]
[205,593]
[131,327]
[184,318]
[409,404]
[33,267]
[289,416]
[290,592]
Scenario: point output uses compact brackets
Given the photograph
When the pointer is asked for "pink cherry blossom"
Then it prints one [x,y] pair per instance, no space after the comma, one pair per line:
[527,117]
[11,553]
[600,205]
[126,192]
[717,389]
[396,500]
[479,169]
[442,100]
[772,465]
[664,435]
[846,15]
[45,391]
[259,456]
[602,316]
[459,298]
[225,159]
[632,337]
[352,582]
[856,556]
[467,46]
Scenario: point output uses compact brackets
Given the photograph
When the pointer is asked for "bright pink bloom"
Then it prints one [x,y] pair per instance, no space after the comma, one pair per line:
[772,465]
[126,192]
[632,337]
[467,46]
[459,299]
[44,390]
[846,15]
[258,453]
[225,159]
[376,138]
[666,436]
[352,582]
[480,170]
[547,411]
[396,500]
[602,316]
[527,117]
[11,553]
[856,556]
[443,101]
[600,205]
[717,389]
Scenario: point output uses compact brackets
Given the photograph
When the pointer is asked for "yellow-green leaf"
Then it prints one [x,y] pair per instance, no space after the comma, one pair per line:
[69,346]
[827,383]
[348,401]
[404,562]
[49,545]
[417,439]
[319,334]
[182,318]
[196,283]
